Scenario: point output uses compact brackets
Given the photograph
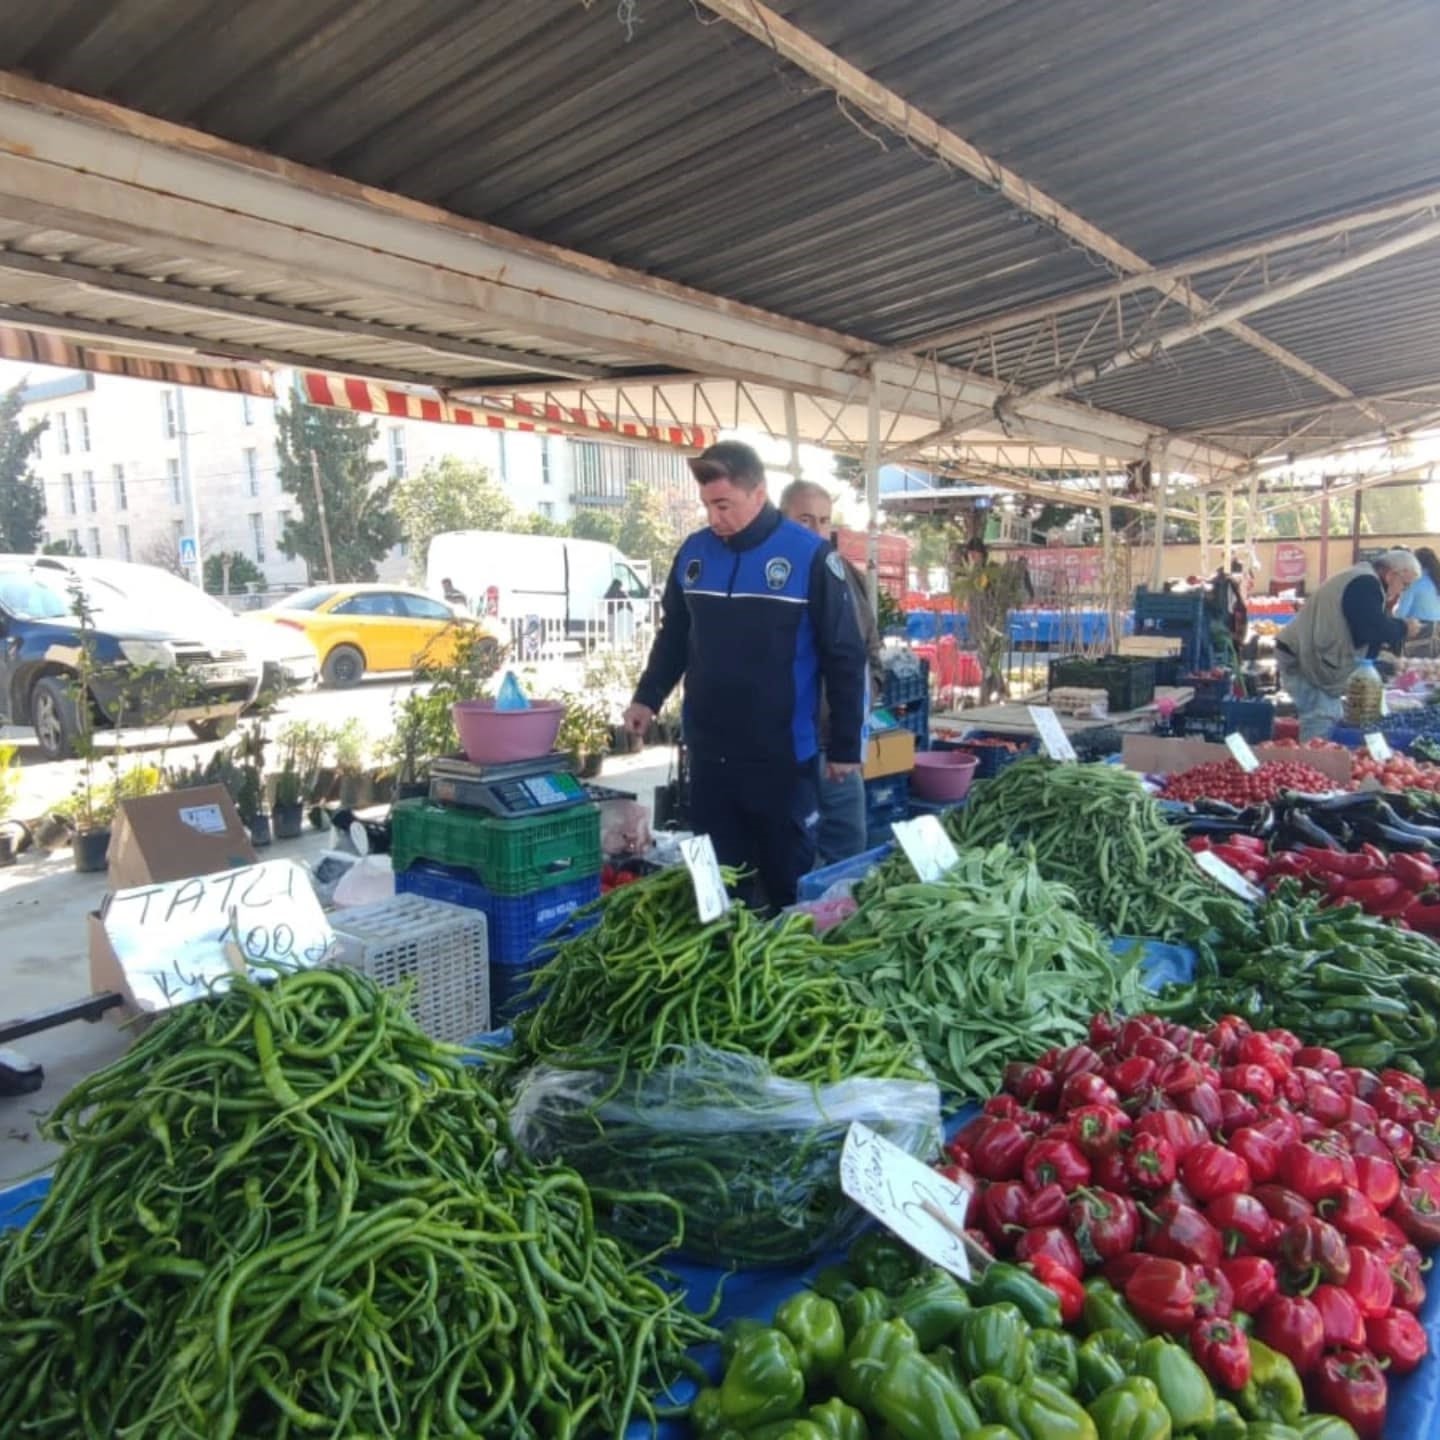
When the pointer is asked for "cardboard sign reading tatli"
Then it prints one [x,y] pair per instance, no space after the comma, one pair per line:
[176,835]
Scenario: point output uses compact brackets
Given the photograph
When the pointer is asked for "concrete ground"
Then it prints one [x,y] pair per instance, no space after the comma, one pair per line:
[43,905]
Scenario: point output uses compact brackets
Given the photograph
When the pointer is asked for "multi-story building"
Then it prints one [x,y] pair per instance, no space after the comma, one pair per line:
[130,467]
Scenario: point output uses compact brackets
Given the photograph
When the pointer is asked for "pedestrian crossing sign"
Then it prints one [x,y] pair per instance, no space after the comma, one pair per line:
[187,550]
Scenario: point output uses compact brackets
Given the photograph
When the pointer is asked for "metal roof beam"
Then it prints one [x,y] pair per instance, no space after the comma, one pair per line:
[892,110]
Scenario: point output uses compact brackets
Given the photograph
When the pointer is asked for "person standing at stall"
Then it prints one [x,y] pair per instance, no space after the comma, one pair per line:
[757,612]
[1344,622]
[841,831]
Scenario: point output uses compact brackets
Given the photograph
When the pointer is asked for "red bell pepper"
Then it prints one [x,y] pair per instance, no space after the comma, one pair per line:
[1236,1112]
[1203,1102]
[1292,1325]
[1005,1107]
[1423,917]
[1425,1175]
[1396,1103]
[1055,1162]
[1312,1249]
[1369,1283]
[1398,1339]
[1417,1213]
[1257,1150]
[1054,1244]
[1184,1132]
[1150,1162]
[1252,1280]
[1340,1314]
[1414,872]
[1179,1076]
[1117,1271]
[1105,1029]
[958,1175]
[1031,1084]
[1104,1224]
[1365,1082]
[1046,1206]
[1110,1172]
[1162,1294]
[1184,1234]
[1352,1385]
[1405,1277]
[1245,1225]
[1335,862]
[1222,1352]
[1354,1216]
[999,1150]
[1211,1170]
[1214,1294]
[1315,1169]
[1076,1060]
[1318,1057]
[1097,1129]
[1362,1140]
[1400,1141]
[1068,1290]
[1324,1103]
[1001,1212]
[1262,1050]
[1404,1081]
[1089,1088]
[1254,1082]
[1283,1204]
[1131,1076]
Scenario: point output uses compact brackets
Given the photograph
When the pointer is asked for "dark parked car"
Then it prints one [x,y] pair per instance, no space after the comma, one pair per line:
[145,668]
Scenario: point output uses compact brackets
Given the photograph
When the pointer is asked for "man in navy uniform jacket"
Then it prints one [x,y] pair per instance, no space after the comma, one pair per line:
[757,612]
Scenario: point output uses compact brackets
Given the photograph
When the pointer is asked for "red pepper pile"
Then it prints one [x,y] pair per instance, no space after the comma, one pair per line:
[612,877]
[1395,887]
[1225,780]
[1212,1172]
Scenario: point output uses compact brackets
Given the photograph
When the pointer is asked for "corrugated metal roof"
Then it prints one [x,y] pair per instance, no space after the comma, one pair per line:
[686,150]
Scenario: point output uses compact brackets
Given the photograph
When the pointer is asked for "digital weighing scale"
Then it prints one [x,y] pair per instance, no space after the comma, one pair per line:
[512,791]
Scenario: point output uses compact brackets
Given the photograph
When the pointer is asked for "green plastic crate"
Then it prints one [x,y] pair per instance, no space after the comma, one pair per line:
[510,857]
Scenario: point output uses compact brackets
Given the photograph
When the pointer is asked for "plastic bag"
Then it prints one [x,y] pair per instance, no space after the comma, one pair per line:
[511,696]
[624,828]
[751,1161]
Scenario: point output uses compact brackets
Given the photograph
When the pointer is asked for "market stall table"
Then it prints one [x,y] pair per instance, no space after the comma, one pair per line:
[1012,717]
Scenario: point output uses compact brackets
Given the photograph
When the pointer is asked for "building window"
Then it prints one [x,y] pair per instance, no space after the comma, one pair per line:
[546,509]
[172,473]
[92,500]
[282,518]
[125,542]
[73,537]
[257,536]
[94,543]
[121,500]
[83,416]
[632,471]
[167,412]
[68,481]
[247,410]
[397,452]
[62,429]
[252,473]
[504,459]
[177,532]
[545,476]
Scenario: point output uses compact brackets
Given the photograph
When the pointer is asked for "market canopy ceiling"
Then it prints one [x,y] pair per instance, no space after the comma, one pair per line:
[1199,234]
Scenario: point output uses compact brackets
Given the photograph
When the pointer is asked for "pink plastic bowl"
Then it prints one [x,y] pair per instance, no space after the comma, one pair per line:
[943,775]
[490,737]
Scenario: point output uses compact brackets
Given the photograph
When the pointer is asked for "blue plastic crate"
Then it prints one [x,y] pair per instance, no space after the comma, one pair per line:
[992,758]
[906,689]
[916,719]
[1253,720]
[516,923]
[1159,605]
[886,794]
[817,882]
[937,808]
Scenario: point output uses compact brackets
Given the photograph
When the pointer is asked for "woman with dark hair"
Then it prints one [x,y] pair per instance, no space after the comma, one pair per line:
[1422,600]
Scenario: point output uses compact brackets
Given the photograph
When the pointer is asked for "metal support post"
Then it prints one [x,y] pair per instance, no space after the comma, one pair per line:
[187,484]
[1162,496]
[872,494]
[1204,501]
[1228,533]
[1324,529]
[1107,558]
[320,515]
[792,434]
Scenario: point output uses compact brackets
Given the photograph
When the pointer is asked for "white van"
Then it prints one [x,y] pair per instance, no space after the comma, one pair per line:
[513,577]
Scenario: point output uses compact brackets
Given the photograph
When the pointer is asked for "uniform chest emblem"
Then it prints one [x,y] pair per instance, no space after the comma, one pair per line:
[777,572]
[692,572]
[835,565]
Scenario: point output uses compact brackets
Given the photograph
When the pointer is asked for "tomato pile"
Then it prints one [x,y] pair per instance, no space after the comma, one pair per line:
[1221,1172]
[1225,780]
[1399,772]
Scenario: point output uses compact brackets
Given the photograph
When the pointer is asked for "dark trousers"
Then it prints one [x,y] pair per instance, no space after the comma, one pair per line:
[762,817]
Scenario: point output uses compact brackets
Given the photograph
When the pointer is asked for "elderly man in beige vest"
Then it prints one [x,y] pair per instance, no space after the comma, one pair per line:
[1343,623]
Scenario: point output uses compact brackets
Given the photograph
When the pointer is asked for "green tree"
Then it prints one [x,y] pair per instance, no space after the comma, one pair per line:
[646,532]
[63,547]
[592,524]
[541,525]
[22,501]
[243,572]
[358,510]
[449,494]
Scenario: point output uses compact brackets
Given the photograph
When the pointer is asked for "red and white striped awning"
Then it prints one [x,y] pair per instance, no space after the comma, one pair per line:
[509,413]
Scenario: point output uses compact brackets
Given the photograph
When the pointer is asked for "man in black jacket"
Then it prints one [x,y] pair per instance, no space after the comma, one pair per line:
[757,612]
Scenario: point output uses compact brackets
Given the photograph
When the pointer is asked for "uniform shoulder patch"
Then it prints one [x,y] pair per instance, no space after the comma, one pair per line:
[835,565]
[692,571]
[777,572]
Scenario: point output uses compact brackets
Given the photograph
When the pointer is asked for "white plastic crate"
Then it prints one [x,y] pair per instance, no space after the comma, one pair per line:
[441,948]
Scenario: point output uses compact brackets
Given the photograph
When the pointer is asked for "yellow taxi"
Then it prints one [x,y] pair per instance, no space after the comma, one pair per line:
[358,629]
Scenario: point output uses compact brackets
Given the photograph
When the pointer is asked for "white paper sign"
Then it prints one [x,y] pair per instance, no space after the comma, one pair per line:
[926,845]
[1227,875]
[174,941]
[897,1189]
[1245,757]
[1052,733]
[711,898]
[207,819]
[1379,747]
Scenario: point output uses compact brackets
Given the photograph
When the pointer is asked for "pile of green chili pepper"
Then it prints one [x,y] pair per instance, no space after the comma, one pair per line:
[1093,828]
[720,1064]
[1349,981]
[990,964]
[288,1211]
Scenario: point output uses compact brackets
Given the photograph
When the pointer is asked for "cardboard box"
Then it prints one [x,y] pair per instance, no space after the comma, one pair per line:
[1163,755]
[176,835]
[892,753]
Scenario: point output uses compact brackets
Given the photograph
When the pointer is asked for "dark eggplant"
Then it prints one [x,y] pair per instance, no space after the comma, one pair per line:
[1386,815]
[1390,837]
[1295,827]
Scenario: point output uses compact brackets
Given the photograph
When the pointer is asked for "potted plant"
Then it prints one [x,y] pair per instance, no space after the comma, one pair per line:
[250,800]
[585,731]
[9,785]
[409,746]
[355,785]
[288,810]
[90,844]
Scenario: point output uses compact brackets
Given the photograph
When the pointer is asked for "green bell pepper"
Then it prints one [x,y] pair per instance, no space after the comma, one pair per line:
[1326,1427]
[1003,1284]
[881,1260]
[877,1348]
[706,1421]
[1106,1358]
[1228,1424]
[1270,1430]
[835,1282]
[1105,1309]
[836,1420]
[1036,1411]
[735,1332]
[1182,1384]
[1056,1358]
[994,1340]
[994,1432]
[932,1306]
[763,1381]
[918,1401]
[1274,1391]
[864,1308]
[813,1326]
[1131,1410]
[795,1430]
